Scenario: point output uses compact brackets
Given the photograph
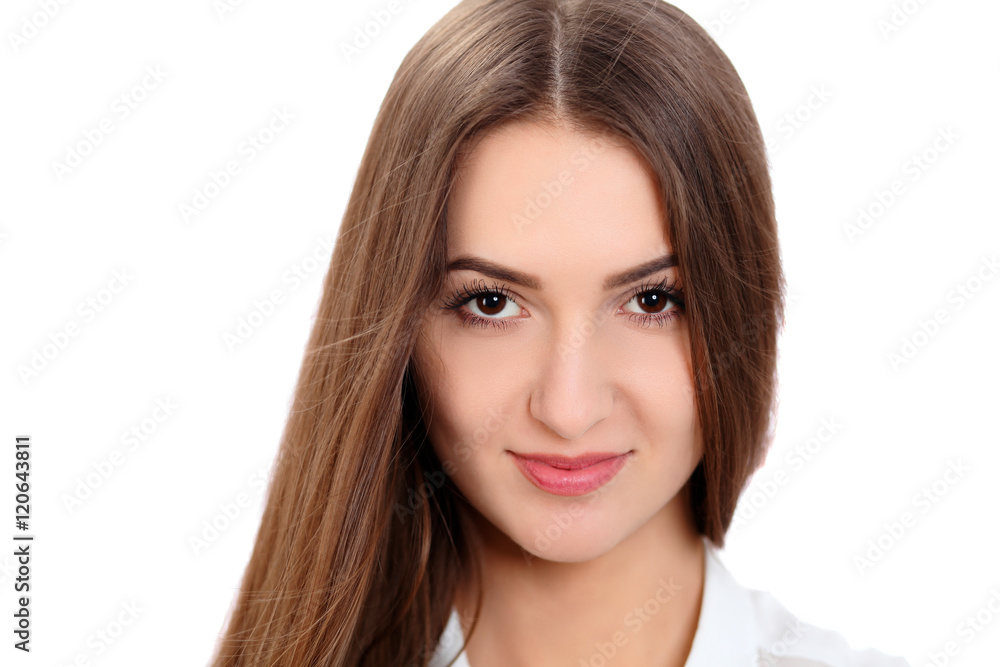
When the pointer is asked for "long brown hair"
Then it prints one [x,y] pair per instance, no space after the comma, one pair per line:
[362,538]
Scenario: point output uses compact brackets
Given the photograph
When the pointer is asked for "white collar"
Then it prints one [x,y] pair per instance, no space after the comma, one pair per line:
[726,633]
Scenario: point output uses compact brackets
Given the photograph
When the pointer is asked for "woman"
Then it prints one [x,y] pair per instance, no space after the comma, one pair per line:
[494,457]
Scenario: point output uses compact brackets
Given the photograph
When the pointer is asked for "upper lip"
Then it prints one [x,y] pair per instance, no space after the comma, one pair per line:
[570,462]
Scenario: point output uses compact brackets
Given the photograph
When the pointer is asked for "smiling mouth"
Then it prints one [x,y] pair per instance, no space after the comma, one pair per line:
[570,476]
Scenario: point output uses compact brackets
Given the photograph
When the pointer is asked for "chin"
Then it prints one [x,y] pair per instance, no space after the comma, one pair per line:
[564,538]
[568,553]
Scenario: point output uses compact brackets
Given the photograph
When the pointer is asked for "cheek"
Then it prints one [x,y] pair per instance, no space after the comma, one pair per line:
[464,407]
[662,395]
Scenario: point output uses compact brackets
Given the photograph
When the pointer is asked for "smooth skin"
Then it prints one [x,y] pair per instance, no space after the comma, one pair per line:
[566,579]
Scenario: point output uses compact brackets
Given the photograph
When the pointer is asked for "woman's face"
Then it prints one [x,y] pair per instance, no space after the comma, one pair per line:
[560,335]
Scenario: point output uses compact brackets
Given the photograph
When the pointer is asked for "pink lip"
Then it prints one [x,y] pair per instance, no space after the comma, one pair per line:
[570,476]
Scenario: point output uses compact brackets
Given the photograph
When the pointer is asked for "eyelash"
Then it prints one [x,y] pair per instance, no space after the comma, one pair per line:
[479,288]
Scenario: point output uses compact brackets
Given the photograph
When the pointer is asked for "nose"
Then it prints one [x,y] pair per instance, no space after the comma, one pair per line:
[573,389]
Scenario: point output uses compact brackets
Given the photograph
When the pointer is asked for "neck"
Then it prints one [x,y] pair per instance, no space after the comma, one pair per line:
[639,601]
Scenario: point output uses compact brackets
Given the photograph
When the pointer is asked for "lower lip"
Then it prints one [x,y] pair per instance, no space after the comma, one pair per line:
[561,482]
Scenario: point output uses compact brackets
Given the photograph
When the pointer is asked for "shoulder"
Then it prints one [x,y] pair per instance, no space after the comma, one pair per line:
[783,640]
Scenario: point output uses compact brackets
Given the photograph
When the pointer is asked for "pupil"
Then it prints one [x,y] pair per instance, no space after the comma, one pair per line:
[651,297]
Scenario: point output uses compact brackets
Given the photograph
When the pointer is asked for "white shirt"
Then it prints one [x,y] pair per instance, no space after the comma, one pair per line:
[738,627]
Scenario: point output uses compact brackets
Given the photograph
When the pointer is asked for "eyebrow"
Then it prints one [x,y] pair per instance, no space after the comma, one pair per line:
[507,274]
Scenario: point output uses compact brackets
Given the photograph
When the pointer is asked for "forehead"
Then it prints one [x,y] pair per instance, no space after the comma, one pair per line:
[528,191]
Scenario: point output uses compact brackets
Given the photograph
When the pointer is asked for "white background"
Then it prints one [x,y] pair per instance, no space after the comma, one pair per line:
[160,337]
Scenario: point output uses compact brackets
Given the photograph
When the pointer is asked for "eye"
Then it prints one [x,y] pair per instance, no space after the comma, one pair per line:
[658,303]
[483,306]
[494,305]
[654,300]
